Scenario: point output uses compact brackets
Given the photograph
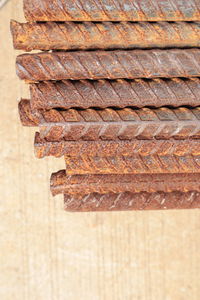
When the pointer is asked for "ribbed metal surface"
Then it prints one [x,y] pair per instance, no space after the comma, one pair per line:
[109,64]
[105,35]
[115,10]
[111,124]
[132,201]
[115,93]
[115,148]
[86,184]
[132,164]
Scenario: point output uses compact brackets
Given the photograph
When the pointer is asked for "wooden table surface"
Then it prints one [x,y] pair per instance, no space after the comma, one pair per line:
[51,254]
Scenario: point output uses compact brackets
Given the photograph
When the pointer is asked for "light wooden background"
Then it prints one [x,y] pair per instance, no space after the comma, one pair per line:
[47,253]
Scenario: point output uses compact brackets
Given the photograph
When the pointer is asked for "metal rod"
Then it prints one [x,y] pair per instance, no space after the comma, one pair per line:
[109,183]
[113,124]
[109,64]
[105,35]
[115,10]
[115,93]
[116,148]
[131,201]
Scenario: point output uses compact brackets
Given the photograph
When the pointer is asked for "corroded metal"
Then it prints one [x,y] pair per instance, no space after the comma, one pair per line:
[143,124]
[112,124]
[27,116]
[118,93]
[134,183]
[109,64]
[104,35]
[107,10]
[132,164]
[84,102]
[115,148]
[131,201]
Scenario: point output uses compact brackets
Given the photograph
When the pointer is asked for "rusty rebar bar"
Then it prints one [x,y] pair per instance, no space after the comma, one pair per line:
[135,164]
[115,93]
[134,183]
[116,148]
[105,35]
[29,117]
[112,124]
[109,64]
[131,201]
[145,124]
[137,10]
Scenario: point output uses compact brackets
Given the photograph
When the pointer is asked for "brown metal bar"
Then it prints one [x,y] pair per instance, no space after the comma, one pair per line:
[132,164]
[109,183]
[28,117]
[107,10]
[131,201]
[115,93]
[109,64]
[123,130]
[112,124]
[104,35]
[116,148]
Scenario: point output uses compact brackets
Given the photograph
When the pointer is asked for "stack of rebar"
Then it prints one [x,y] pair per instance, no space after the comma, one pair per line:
[115,89]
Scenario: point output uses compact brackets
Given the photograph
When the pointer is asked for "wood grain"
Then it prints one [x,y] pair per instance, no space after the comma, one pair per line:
[48,253]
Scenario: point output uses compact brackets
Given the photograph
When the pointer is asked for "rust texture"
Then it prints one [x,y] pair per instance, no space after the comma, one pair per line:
[132,201]
[109,64]
[112,124]
[118,93]
[134,183]
[105,35]
[107,10]
[115,148]
[126,124]
[135,164]
[27,116]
